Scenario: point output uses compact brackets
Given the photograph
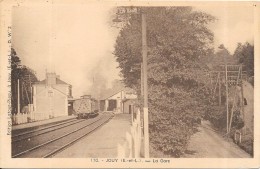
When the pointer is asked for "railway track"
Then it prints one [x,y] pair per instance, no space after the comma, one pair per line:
[37,132]
[18,132]
[49,143]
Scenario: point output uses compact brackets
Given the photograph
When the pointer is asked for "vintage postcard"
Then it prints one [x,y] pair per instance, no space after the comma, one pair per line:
[136,84]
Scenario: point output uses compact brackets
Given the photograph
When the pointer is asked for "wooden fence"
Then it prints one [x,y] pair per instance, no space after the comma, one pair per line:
[132,147]
[28,116]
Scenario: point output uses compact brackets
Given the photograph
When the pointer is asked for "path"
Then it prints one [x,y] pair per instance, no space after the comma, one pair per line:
[208,144]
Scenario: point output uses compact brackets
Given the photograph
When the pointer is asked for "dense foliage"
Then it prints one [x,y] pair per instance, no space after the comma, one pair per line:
[26,77]
[245,55]
[178,38]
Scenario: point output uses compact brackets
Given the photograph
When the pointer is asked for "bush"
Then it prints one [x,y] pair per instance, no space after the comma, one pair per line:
[217,116]
[172,120]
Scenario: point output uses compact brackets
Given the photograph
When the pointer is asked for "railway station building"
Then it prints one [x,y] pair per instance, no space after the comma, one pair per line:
[50,97]
[121,101]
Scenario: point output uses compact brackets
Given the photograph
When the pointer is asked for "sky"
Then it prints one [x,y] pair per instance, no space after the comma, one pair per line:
[233,24]
[79,43]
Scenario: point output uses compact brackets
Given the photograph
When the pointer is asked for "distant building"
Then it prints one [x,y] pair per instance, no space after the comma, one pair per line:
[50,96]
[121,101]
[128,105]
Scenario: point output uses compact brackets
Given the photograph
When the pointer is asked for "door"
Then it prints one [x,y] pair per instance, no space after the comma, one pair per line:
[111,105]
[130,109]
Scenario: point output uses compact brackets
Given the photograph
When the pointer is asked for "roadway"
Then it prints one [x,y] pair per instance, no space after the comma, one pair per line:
[207,143]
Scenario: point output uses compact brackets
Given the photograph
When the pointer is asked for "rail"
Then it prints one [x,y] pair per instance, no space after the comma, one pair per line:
[68,139]
[29,135]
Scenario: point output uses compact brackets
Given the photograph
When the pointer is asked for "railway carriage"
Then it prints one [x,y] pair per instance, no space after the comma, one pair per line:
[86,107]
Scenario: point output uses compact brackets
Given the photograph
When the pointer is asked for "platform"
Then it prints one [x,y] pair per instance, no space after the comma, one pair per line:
[103,143]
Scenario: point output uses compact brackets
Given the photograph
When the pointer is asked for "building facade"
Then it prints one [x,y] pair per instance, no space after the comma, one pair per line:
[50,97]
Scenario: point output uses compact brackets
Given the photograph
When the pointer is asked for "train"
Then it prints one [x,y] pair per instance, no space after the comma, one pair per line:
[86,107]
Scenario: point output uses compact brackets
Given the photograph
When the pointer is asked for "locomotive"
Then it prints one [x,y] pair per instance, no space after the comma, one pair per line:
[86,107]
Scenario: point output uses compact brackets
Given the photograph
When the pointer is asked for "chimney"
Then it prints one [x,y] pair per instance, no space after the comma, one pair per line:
[50,79]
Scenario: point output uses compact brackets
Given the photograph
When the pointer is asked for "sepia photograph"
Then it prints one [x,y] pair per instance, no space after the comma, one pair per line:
[126,83]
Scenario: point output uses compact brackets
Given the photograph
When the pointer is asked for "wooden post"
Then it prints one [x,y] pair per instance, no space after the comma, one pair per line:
[219,90]
[22,95]
[226,82]
[138,133]
[31,100]
[142,85]
[242,93]
[18,98]
[129,140]
[232,110]
[132,117]
[146,119]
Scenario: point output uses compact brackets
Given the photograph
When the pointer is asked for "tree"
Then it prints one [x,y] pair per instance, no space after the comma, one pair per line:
[26,77]
[245,55]
[222,56]
[177,38]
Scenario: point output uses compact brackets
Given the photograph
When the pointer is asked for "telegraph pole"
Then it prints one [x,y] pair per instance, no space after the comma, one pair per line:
[146,119]
[226,80]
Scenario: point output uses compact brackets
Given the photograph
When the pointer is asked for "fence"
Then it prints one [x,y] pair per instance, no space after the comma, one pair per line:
[20,118]
[132,146]
[28,116]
